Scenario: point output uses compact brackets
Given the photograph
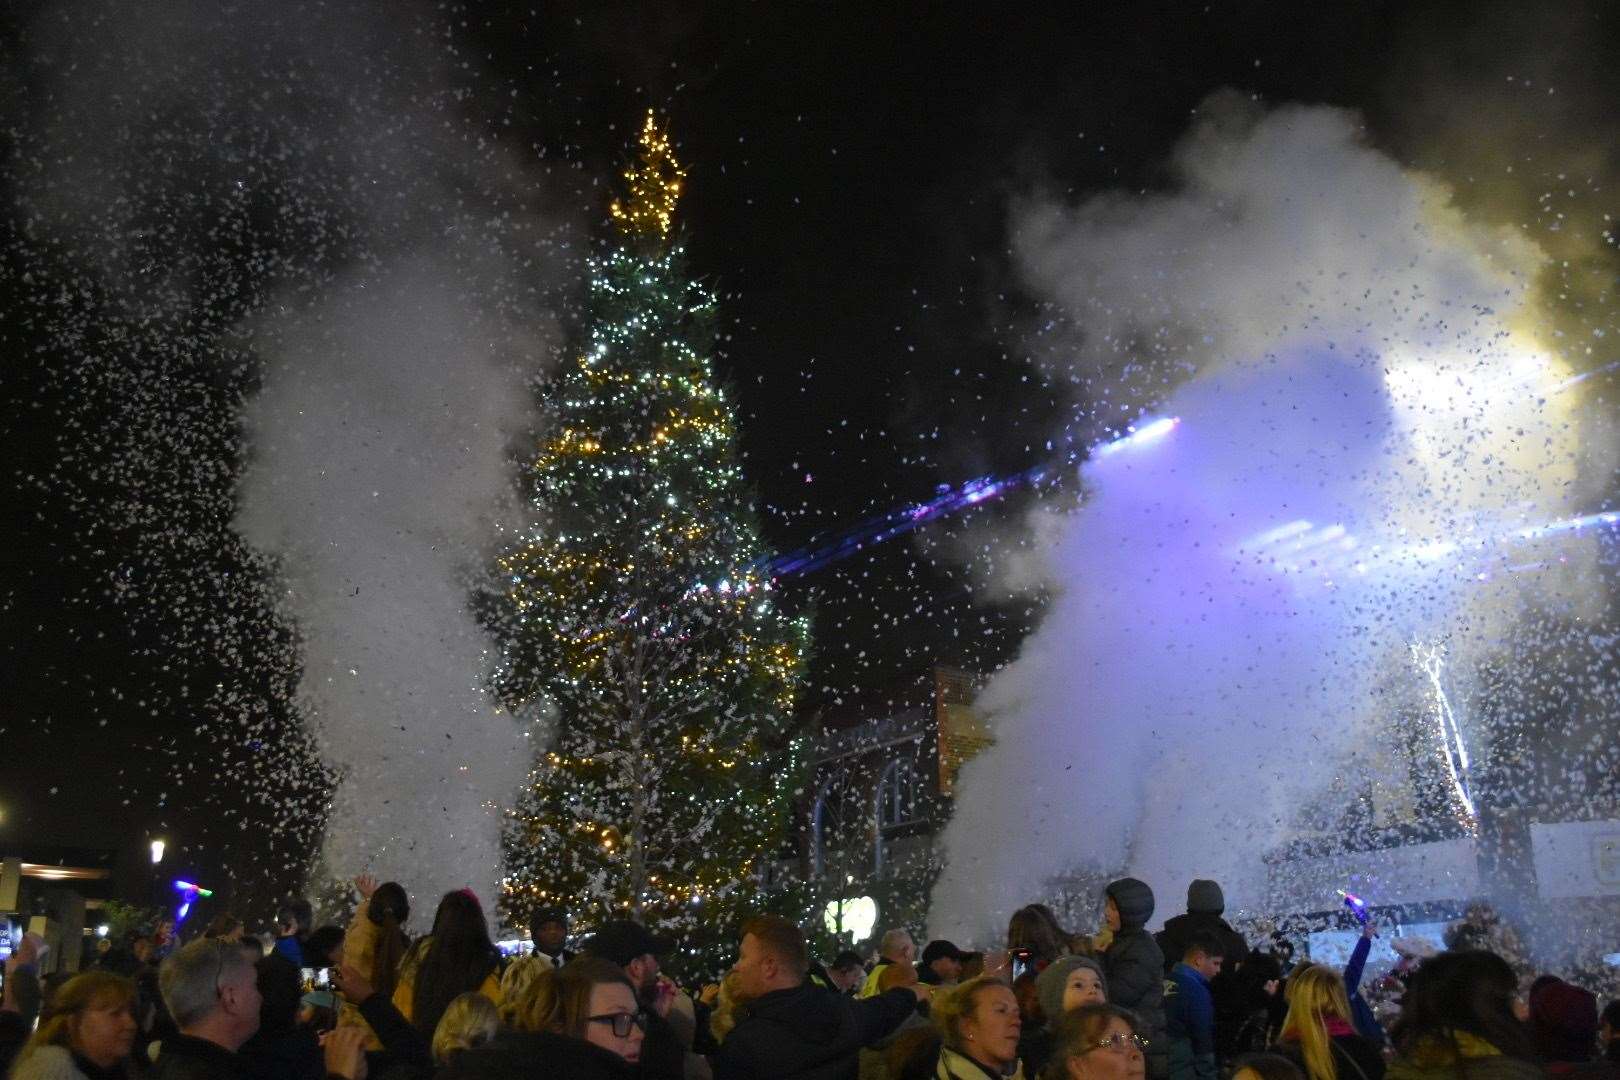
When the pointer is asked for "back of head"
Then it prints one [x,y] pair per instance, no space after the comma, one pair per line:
[1134,899]
[896,945]
[1259,968]
[321,944]
[1564,1022]
[281,988]
[1316,995]
[458,957]
[1079,1032]
[222,925]
[559,1000]
[1469,991]
[1033,927]
[389,901]
[388,909]
[189,978]
[469,1020]
[848,960]
[785,941]
[81,993]
[949,1009]
[1266,1067]
[1204,897]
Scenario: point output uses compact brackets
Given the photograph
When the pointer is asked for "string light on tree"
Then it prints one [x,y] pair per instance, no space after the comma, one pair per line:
[669,777]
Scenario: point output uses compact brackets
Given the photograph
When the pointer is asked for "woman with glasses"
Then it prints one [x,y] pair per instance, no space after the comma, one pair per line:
[87,1032]
[1097,1042]
[587,998]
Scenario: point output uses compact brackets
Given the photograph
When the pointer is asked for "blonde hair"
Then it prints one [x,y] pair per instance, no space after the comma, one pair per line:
[469,1020]
[87,991]
[725,1016]
[559,1000]
[957,1004]
[1315,993]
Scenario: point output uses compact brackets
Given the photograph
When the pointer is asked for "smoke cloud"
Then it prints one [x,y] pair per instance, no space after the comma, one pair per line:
[300,195]
[1365,410]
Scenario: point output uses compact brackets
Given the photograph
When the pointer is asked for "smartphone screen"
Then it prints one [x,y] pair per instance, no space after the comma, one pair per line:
[323,978]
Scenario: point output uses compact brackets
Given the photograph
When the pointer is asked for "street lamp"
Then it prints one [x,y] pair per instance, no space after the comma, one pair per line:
[157,852]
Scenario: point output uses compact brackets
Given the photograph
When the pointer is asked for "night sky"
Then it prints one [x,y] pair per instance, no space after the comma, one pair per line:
[851,171]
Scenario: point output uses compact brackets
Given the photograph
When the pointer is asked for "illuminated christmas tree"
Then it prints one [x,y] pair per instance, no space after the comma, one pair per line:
[637,612]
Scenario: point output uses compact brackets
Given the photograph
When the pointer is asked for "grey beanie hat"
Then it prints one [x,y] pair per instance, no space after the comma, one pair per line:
[1050,982]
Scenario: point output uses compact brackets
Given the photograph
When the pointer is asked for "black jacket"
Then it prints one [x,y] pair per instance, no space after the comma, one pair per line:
[513,1055]
[1355,1057]
[1134,967]
[183,1058]
[1178,934]
[808,1033]
[662,1055]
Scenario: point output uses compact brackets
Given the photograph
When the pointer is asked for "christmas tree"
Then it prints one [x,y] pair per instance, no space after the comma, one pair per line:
[638,613]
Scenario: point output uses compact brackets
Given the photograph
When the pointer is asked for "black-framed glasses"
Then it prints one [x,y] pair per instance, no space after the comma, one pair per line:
[621,1022]
[1121,1040]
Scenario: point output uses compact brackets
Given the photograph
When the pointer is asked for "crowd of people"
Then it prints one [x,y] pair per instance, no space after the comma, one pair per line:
[1193,1002]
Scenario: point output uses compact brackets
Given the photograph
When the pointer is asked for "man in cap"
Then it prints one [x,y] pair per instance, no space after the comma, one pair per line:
[637,950]
[941,964]
[548,929]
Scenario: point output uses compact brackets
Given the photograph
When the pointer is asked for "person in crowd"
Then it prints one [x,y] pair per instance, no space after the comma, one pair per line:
[468,1022]
[165,940]
[1096,1042]
[581,1020]
[293,922]
[24,994]
[406,1052]
[1458,1022]
[323,948]
[1265,1067]
[1361,1013]
[1067,984]
[224,927]
[1134,966]
[847,972]
[457,956]
[979,1026]
[941,964]
[1318,1034]
[1259,984]
[548,929]
[638,953]
[1206,904]
[1609,1032]
[895,947]
[1189,1007]
[375,945]
[1564,1024]
[873,1056]
[1033,935]
[282,1048]
[87,1033]
[212,993]
[725,1012]
[793,1029]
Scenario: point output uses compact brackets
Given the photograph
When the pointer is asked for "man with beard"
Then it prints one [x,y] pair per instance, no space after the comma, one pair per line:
[636,949]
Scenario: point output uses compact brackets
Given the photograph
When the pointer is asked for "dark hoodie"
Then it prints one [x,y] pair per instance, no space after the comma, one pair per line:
[808,1033]
[1205,903]
[1134,967]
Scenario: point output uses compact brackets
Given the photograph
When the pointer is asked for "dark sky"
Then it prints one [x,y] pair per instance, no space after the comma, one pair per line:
[851,169]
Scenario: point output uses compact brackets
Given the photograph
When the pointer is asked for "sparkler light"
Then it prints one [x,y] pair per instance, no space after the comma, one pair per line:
[1431,660]
[949,500]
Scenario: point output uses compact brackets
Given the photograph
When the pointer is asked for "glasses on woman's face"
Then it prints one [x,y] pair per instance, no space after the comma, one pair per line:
[621,1022]
[1120,1041]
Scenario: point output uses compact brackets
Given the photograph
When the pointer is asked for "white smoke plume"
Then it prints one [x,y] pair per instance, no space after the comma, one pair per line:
[296,191]
[1360,391]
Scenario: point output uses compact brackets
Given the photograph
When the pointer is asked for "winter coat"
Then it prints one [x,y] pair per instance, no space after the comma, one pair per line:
[60,1063]
[1205,903]
[294,1054]
[1189,1025]
[182,1057]
[514,1055]
[1135,969]
[808,1033]
[1479,1061]
[955,1066]
[1355,1057]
